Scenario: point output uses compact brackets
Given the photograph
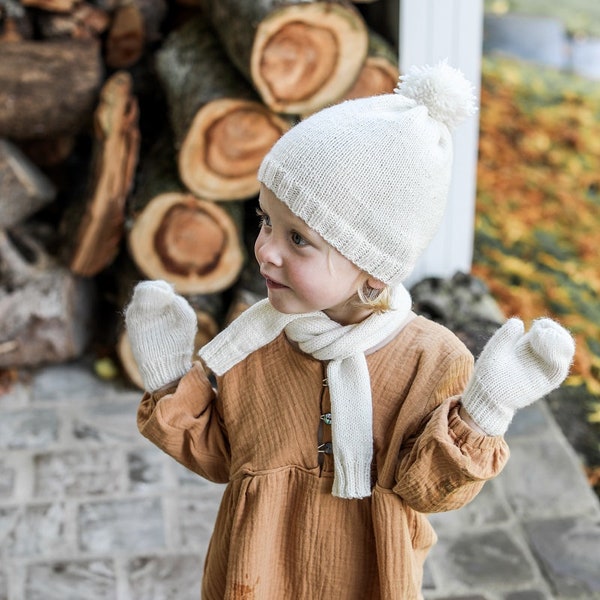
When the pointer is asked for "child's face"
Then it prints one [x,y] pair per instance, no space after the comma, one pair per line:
[303,272]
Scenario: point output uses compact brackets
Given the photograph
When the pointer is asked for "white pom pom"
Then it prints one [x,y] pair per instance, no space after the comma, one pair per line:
[444,90]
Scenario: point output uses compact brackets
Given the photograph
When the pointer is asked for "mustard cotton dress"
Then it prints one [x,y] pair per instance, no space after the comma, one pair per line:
[279,533]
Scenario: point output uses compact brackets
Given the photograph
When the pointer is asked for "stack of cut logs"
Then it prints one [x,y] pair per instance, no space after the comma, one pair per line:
[131,132]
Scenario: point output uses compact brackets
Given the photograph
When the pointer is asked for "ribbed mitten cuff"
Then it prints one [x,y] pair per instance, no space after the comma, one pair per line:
[492,417]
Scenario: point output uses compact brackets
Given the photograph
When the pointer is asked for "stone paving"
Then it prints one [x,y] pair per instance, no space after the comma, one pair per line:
[90,510]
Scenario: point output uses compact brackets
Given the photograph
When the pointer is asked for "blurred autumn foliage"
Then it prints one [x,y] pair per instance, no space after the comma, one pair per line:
[537,240]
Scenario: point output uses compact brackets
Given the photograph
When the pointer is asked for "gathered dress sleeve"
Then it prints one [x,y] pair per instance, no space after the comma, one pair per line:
[444,464]
[184,422]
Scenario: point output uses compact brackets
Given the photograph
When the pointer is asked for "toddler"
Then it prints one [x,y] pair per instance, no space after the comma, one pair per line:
[340,417]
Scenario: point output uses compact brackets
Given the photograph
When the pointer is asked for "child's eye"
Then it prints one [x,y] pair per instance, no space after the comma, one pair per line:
[263,218]
[297,239]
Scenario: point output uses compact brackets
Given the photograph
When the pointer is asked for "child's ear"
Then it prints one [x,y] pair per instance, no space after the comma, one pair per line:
[375,284]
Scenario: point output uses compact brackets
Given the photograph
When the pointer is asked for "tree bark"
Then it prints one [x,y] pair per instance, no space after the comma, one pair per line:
[49,152]
[299,55]
[190,3]
[49,309]
[126,37]
[127,360]
[85,21]
[134,25]
[157,174]
[209,310]
[97,233]
[154,13]
[24,189]
[222,130]
[15,23]
[51,5]
[249,290]
[251,286]
[59,93]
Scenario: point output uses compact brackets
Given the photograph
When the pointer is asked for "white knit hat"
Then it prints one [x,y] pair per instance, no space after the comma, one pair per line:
[371,175]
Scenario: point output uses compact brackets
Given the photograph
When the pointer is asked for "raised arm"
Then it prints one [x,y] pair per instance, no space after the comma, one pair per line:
[178,411]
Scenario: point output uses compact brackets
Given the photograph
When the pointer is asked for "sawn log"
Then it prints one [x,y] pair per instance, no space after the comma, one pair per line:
[60,91]
[299,55]
[222,130]
[173,235]
[97,230]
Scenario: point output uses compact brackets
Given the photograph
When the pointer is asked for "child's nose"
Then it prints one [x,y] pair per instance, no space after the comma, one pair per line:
[267,250]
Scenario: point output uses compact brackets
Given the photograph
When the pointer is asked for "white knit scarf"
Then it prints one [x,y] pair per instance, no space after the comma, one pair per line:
[343,347]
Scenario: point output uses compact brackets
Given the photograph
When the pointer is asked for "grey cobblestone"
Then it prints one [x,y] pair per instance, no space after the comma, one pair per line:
[90,510]
[77,473]
[33,530]
[145,469]
[28,429]
[569,550]
[3,588]
[68,580]
[109,421]
[489,559]
[7,480]
[159,577]
[531,485]
[132,524]
[526,595]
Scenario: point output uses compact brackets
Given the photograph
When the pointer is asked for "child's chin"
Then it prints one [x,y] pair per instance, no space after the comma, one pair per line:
[287,308]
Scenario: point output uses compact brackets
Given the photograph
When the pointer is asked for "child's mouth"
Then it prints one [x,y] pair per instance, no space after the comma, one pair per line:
[274,285]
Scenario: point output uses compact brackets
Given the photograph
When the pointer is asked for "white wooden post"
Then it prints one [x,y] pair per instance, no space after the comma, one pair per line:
[429,31]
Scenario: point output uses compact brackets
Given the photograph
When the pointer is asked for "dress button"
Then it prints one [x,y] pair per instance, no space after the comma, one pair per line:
[326,448]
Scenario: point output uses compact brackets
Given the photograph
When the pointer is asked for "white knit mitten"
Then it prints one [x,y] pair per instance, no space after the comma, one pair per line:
[161,327]
[515,369]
